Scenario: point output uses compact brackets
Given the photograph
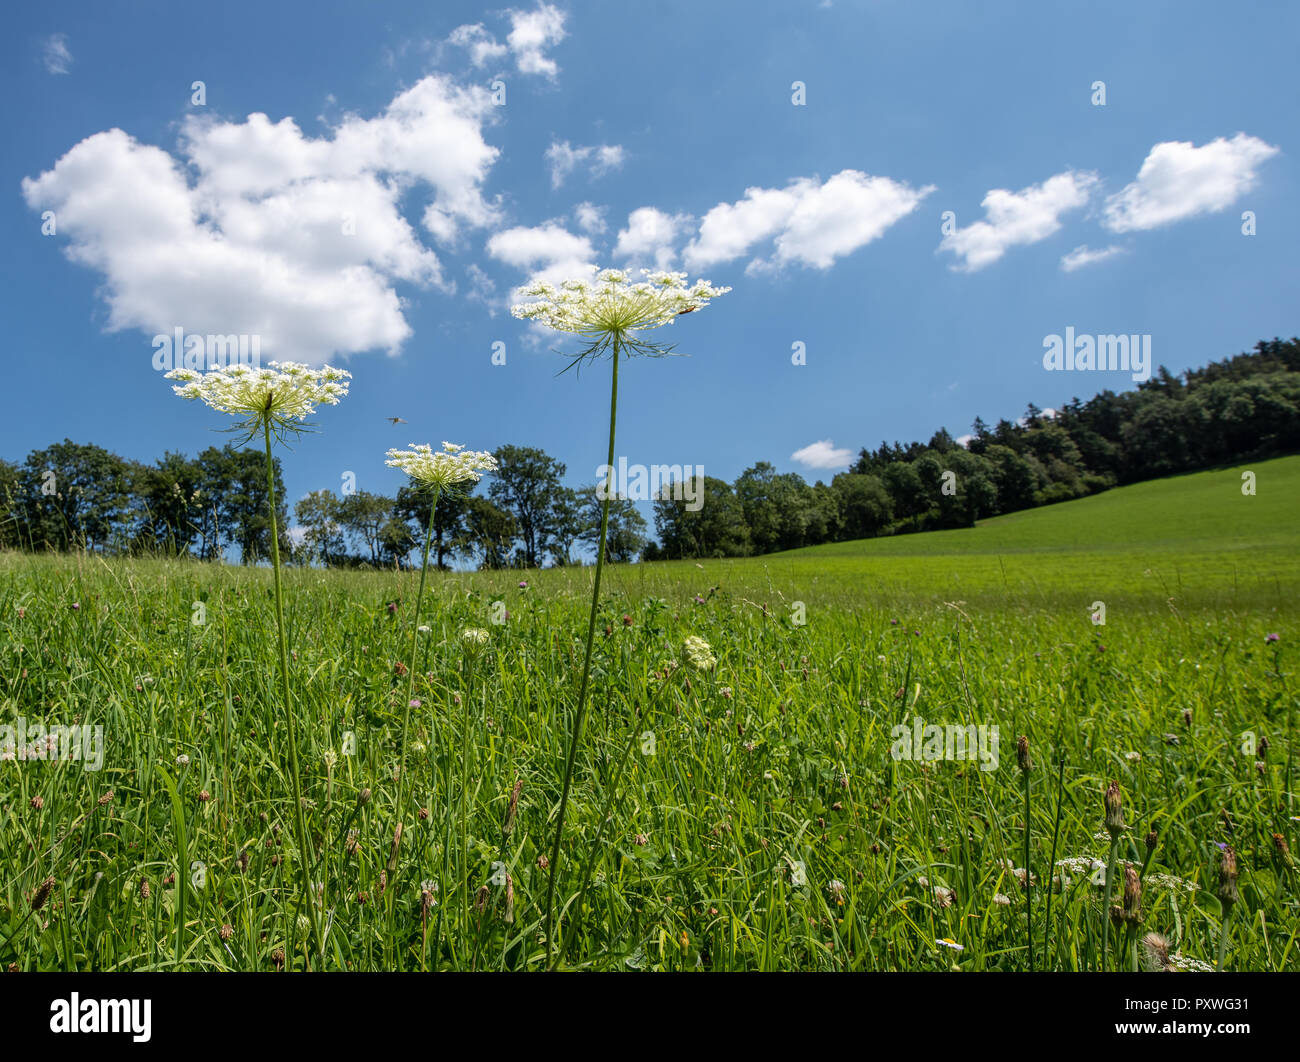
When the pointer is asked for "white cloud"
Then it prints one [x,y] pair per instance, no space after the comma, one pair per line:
[1178,180]
[531,33]
[651,236]
[590,218]
[824,455]
[481,45]
[964,441]
[547,252]
[1017,218]
[298,240]
[563,158]
[1083,255]
[810,222]
[55,53]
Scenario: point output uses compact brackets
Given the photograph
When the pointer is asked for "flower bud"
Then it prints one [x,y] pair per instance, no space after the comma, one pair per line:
[1114,811]
[1022,753]
[1227,892]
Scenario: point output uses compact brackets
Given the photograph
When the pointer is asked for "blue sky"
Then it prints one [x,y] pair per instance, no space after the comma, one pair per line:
[638,135]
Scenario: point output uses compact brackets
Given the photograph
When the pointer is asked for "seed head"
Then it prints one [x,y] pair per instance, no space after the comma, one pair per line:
[42,893]
[1022,754]
[1155,953]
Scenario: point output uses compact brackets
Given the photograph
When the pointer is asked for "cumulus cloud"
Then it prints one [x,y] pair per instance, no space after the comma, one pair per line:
[823,454]
[296,239]
[482,46]
[55,54]
[651,236]
[1178,180]
[809,222]
[547,252]
[590,218]
[599,159]
[531,33]
[1083,255]
[1017,218]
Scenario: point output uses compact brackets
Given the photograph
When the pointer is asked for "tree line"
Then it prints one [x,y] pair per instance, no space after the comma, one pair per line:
[1238,409]
[80,496]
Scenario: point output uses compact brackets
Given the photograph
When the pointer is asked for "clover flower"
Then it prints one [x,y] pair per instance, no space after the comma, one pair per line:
[447,467]
[613,305]
[283,395]
[697,653]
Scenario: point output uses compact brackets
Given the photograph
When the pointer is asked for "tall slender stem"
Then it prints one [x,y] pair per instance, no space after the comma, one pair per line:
[300,825]
[1105,903]
[1029,882]
[552,954]
[400,807]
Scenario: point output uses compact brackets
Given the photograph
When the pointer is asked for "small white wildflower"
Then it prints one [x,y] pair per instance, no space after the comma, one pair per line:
[448,467]
[474,638]
[280,395]
[182,760]
[948,942]
[611,305]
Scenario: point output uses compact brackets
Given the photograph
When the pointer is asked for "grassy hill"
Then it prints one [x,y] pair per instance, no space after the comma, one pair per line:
[1193,541]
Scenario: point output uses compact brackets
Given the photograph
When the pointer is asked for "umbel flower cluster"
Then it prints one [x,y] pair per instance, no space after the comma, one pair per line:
[281,394]
[443,468]
[613,305]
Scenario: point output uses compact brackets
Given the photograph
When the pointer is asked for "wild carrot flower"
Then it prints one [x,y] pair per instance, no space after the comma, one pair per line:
[275,400]
[283,395]
[611,313]
[613,305]
[448,467]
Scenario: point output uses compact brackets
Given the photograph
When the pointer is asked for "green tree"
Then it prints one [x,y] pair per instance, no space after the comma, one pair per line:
[526,484]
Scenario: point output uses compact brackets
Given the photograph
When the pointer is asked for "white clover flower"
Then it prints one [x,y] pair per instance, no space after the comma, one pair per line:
[447,467]
[182,760]
[281,394]
[612,305]
[697,653]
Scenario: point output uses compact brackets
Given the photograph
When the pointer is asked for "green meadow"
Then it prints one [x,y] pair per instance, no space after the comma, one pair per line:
[749,816]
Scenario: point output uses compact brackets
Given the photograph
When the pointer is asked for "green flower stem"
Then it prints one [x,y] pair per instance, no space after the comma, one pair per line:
[1051,863]
[552,954]
[300,825]
[400,807]
[410,680]
[1029,881]
[595,844]
[1223,935]
[1105,903]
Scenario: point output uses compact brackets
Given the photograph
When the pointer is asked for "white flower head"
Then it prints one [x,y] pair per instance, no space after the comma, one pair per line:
[698,654]
[612,305]
[474,638]
[448,467]
[282,395]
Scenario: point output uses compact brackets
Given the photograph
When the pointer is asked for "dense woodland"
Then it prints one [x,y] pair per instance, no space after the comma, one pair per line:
[80,496]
